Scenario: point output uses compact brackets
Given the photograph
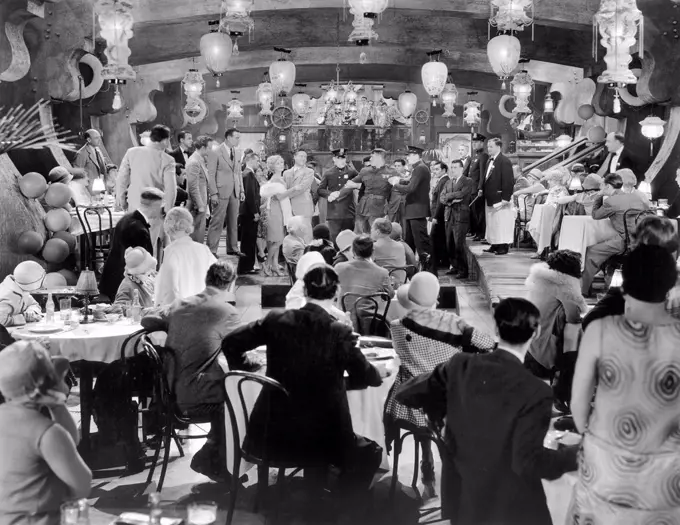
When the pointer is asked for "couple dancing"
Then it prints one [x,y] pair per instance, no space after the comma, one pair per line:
[284,195]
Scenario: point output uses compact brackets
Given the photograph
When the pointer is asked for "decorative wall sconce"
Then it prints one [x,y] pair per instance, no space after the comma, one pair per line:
[235,108]
[472,111]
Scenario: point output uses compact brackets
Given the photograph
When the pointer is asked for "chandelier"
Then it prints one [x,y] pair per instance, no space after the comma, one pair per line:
[195,109]
[472,112]
[368,8]
[652,128]
[407,103]
[216,50]
[282,73]
[449,97]
[115,21]
[434,75]
[235,108]
[511,15]
[503,52]
[301,102]
[618,21]
[236,21]
[265,97]
[522,85]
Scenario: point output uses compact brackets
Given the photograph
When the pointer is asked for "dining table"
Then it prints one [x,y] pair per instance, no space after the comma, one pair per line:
[578,232]
[541,225]
[91,344]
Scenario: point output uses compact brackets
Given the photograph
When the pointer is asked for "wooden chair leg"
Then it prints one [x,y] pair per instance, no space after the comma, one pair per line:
[233,492]
[395,468]
[154,462]
[262,484]
[416,465]
[280,492]
[166,457]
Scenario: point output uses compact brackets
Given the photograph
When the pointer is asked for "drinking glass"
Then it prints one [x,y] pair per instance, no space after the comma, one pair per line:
[202,513]
[65,309]
[127,311]
[72,513]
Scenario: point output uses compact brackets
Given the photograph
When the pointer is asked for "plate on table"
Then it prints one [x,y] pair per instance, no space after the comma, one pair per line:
[45,329]
[378,354]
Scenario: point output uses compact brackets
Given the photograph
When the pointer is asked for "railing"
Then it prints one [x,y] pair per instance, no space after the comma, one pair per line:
[570,154]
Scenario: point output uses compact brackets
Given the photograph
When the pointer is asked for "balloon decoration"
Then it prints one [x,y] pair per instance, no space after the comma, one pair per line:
[586,111]
[54,280]
[71,277]
[55,251]
[67,237]
[33,185]
[58,195]
[58,220]
[29,243]
[596,135]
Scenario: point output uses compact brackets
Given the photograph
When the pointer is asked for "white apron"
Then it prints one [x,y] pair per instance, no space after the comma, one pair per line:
[500,225]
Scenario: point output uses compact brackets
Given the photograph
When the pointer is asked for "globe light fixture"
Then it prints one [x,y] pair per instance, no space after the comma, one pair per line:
[235,108]
[503,52]
[652,128]
[216,50]
[472,112]
[282,73]
[563,141]
[522,84]
[368,8]
[617,22]
[115,21]
[434,75]
[265,97]
[511,15]
[449,97]
[548,104]
[301,102]
[407,103]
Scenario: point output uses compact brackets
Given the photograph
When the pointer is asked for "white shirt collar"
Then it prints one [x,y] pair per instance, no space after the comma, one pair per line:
[143,215]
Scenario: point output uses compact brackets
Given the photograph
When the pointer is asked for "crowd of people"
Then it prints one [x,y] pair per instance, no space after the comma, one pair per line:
[488,396]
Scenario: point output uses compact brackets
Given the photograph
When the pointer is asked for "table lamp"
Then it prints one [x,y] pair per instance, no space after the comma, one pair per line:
[575,184]
[87,286]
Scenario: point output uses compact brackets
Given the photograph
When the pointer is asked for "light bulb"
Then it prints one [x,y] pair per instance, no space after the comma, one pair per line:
[617,105]
[448,123]
[363,58]
[235,50]
[266,122]
[217,82]
[117,101]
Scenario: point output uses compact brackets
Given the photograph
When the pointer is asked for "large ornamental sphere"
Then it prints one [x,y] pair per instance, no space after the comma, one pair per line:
[54,280]
[55,251]
[58,220]
[58,195]
[29,243]
[33,185]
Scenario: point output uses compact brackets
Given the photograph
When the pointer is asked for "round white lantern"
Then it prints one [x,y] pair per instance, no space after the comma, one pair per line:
[373,7]
[503,52]
[216,49]
[407,103]
[652,127]
[282,75]
[434,75]
[563,141]
[522,85]
[301,103]
[265,97]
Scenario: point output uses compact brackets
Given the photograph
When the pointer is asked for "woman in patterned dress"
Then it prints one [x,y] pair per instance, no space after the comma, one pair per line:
[629,469]
[424,338]
[262,176]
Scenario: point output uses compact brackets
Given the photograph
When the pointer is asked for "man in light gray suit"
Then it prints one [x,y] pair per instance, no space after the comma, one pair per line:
[92,159]
[197,185]
[226,192]
[299,180]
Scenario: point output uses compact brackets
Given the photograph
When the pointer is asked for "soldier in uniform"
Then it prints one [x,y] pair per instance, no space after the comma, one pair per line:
[476,171]
[340,210]
[375,178]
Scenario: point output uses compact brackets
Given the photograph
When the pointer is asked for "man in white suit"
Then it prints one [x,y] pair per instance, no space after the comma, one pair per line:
[225,184]
[299,180]
[197,185]
[148,167]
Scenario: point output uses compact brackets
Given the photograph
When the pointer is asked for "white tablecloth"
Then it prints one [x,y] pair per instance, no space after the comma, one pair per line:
[540,225]
[580,231]
[77,228]
[558,496]
[98,342]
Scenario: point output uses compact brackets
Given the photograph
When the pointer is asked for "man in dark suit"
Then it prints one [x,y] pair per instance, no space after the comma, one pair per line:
[250,216]
[456,198]
[440,176]
[340,211]
[417,206]
[617,157]
[497,415]
[131,231]
[464,156]
[476,171]
[181,156]
[499,181]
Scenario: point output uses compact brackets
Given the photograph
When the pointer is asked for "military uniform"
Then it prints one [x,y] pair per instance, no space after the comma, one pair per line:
[373,203]
[340,213]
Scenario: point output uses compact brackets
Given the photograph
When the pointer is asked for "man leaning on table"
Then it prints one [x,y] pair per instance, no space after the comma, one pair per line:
[611,204]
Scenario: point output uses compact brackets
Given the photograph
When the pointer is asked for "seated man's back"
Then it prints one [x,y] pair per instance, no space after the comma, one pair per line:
[389,254]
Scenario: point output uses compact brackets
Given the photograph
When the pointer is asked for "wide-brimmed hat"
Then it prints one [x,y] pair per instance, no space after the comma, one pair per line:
[345,239]
[26,369]
[421,292]
[59,174]
[308,261]
[138,261]
[29,275]
[592,182]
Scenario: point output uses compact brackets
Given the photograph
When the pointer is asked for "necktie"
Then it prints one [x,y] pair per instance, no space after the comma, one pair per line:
[100,161]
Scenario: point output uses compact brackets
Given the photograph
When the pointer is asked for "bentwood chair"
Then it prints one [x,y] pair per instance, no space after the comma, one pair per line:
[97,237]
[401,274]
[367,315]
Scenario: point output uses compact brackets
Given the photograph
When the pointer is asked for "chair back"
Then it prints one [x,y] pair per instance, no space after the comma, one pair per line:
[366,314]
[401,274]
[630,221]
[522,208]
[242,390]
[97,239]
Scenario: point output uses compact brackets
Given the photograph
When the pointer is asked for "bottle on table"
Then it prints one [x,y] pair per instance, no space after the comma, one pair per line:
[49,309]
[136,308]
[155,512]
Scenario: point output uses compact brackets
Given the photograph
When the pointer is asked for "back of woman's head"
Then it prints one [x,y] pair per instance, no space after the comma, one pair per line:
[656,231]
[649,272]
[565,261]
[321,283]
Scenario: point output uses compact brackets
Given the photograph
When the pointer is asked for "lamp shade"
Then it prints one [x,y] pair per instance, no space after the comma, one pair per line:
[548,104]
[575,184]
[87,283]
[503,52]
[434,75]
[652,127]
[98,186]
[407,103]
[193,83]
[116,23]
[282,75]
[522,84]
[235,110]
[617,279]
[300,103]
[449,96]
[368,6]
[216,49]
[265,97]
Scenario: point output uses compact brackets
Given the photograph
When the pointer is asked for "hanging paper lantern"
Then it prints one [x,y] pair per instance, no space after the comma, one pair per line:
[116,23]
[54,280]
[282,75]
[548,104]
[522,85]
[58,195]
[586,111]
[58,220]
[265,97]
[67,237]
[407,103]
[55,251]
[29,243]
[33,185]
[216,50]
[618,22]
[434,75]
[503,52]
[472,113]
[449,95]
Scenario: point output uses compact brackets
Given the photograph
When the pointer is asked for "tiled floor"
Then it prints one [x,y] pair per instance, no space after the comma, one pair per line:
[113,494]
